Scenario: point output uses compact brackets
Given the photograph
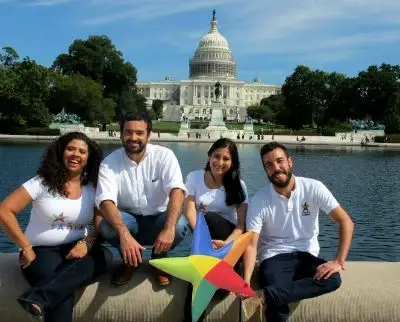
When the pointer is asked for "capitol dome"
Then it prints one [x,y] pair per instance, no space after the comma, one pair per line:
[213,58]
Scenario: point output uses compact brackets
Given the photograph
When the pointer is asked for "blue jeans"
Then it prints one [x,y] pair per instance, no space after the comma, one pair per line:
[287,278]
[54,280]
[144,229]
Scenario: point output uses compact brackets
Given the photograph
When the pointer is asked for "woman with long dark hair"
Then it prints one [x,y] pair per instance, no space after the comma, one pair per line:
[221,195]
[58,250]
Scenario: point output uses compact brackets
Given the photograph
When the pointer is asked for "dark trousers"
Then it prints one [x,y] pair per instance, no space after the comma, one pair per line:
[287,278]
[54,280]
[219,228]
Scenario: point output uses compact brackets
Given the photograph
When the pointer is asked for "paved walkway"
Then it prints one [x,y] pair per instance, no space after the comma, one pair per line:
[168,137]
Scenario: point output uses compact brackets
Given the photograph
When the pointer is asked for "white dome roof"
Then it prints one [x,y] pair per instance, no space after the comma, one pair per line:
[213,39]
[213,56]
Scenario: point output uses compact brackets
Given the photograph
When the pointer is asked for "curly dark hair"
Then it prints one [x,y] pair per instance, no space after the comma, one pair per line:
[52,169]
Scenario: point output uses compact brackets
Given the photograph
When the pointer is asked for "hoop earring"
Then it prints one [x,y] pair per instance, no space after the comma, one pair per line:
[84,175]
[234,174]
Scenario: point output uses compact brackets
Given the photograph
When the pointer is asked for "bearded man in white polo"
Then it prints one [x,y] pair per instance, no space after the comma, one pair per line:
[140,193]
[284,218]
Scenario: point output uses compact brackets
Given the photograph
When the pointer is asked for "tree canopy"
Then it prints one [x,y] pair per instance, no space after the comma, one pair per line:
[92,81]
[98,59]
[315,98]
[95,82]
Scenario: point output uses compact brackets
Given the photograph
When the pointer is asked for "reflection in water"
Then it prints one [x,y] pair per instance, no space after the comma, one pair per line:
[364,181]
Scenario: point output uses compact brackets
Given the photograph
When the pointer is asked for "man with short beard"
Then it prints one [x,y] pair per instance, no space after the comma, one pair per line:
[284,218]
[140,193]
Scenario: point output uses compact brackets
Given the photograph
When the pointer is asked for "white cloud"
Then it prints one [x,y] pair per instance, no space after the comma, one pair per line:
[149,9]
[311,23]
[48,2]
[321,30]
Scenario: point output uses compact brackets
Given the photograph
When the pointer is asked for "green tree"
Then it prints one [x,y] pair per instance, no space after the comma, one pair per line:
[273,108]
[81,96]
[9,101]
[344,100]
[130,101]
[254,111]
[392,116]
[8,56]
[157,107]
[377,89]
[98,59]
[24,91]
[299,97]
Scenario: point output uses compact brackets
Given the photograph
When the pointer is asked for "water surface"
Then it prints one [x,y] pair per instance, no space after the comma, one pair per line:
[365,181]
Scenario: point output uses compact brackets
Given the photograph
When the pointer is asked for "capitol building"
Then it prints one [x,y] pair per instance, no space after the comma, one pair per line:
[193,98]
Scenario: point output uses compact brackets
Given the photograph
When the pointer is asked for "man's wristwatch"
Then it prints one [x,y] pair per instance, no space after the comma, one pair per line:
[89,243]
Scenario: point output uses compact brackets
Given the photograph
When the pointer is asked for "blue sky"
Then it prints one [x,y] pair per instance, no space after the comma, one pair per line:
[268,38]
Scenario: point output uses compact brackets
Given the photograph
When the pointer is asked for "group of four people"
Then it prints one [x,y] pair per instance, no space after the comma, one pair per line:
[134,198]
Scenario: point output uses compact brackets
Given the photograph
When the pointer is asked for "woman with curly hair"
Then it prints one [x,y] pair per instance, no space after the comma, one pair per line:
[58,253]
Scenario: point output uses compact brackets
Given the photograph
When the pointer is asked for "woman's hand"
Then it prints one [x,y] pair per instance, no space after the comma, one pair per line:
[27,257]
[80,250]
[201,208]
[217,244]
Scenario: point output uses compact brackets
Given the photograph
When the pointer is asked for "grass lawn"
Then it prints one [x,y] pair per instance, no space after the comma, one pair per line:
[169,127]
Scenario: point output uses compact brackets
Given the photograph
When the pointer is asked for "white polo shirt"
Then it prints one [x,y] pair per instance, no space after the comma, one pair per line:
[143,188]
[212,199]
[290,224]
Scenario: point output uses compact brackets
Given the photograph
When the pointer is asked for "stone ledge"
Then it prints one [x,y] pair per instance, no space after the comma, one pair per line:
[370,292]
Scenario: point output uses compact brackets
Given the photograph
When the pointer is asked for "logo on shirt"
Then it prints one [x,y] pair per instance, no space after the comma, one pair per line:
[306,211]
[59,217]
[59,222]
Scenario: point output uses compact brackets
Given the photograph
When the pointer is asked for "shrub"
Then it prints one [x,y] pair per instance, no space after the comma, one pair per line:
[42,131]
[10,126]
[379,139]
[391,138]
[198,125]
[334,127]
